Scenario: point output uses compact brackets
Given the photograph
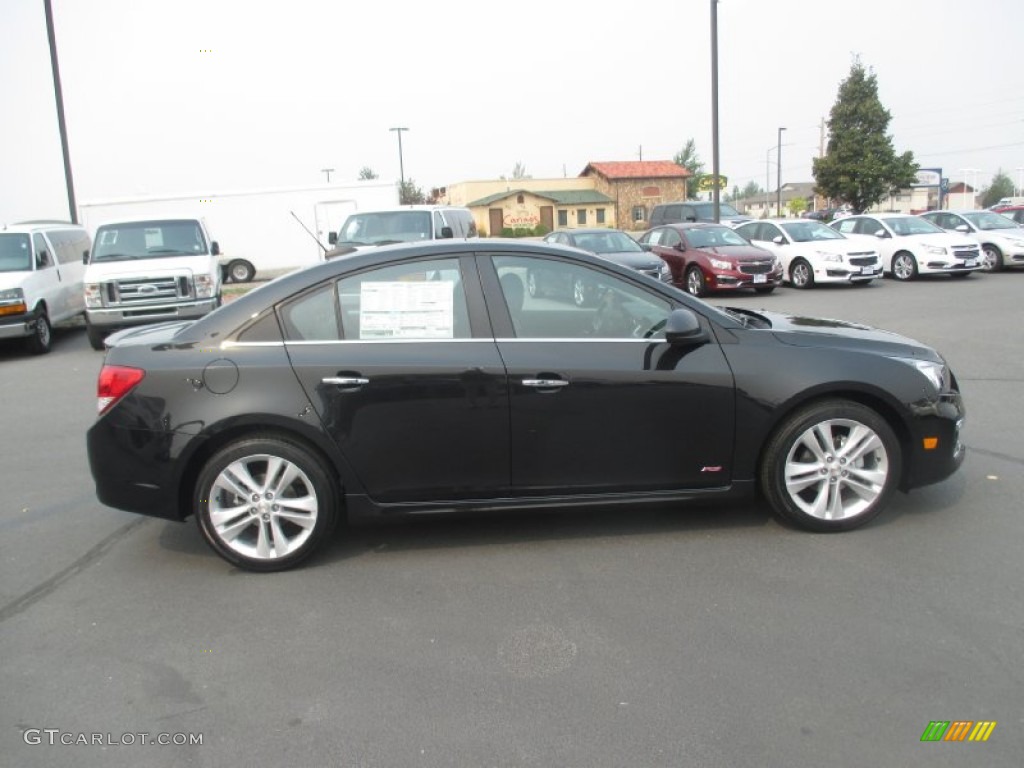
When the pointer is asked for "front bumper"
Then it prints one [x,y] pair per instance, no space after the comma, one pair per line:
[124,317]
[730,281]
[940,420]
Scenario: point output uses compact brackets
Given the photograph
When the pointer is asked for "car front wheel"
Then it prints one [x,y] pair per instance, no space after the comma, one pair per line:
[801,275]
[991,259]
[904,266]
[695,284]
[264,503]
[41,340]
[831,466]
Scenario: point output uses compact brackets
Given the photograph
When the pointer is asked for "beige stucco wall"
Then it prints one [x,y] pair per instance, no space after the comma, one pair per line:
[628,193]
[527,214]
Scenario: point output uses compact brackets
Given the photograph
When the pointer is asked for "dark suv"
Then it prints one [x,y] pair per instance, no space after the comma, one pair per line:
[694,210]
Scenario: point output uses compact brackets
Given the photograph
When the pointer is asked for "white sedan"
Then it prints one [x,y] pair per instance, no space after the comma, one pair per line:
[911,246]
[1001,239]
[812,253]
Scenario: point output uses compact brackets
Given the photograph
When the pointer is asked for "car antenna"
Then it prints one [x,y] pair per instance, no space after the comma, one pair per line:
[322,246]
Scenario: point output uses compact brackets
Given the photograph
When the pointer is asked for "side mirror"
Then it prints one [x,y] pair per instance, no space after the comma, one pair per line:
[332,238]
[683,327]
[779,240]
[681,246]
[963,228]
[215,248]
[647,247]
[85,256]
[446,233]
[41,260]
[881,234]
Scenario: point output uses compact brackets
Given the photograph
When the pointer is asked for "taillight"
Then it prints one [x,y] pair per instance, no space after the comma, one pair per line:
[115,382]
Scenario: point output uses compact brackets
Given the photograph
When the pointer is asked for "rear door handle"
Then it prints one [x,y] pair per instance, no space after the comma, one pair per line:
[545,383]
[345,381]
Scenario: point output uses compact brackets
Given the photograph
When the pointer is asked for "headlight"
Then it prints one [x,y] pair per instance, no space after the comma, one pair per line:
[938,250]
[204,286]
[934,372]
[12,294]
[93,295]
[829,256]
[719,264]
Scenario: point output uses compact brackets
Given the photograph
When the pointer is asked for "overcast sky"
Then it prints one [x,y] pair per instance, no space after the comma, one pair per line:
[195,96]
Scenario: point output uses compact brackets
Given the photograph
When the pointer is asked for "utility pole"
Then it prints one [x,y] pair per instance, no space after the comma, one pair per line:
[778,177]
[715,191]
[327,171]
[58,94]
[401,165]
[641,153]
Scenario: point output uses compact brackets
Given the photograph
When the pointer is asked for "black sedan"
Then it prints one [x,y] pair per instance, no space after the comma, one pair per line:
[424,378]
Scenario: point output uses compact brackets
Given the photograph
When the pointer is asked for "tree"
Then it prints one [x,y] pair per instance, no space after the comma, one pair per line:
[519,171]
[797,206]
[410,194]
[1001,186]
[860,166]
[690,160]
[752,189]
[366,173]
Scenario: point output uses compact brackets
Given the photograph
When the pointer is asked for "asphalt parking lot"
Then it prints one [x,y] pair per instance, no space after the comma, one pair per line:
[667,637]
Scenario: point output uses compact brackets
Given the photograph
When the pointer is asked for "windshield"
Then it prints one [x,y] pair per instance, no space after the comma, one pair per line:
[15,253]
[985,220]
[806,231]
[707,210]
[711,237]
[912,225]
[385,227]
[148,240]
[607,242]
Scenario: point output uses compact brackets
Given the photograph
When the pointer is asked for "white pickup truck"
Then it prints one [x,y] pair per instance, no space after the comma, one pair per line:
[151,271]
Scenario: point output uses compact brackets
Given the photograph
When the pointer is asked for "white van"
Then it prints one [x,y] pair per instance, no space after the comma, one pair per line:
[41,270]
[149,271]
[407,224]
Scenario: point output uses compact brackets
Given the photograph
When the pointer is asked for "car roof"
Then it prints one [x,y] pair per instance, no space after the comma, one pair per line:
[22,227]
[587,231]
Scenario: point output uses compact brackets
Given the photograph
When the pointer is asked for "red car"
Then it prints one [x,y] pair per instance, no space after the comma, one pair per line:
[711,257]
[1015,212]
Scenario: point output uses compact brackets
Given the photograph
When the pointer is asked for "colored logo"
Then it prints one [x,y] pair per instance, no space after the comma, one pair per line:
[958,730]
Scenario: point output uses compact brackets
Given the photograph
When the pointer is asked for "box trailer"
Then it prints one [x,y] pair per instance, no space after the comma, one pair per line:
[265,231]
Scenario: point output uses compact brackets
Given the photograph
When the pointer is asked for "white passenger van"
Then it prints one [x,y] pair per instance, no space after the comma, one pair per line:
[406,224]
[41,270]
[149,271]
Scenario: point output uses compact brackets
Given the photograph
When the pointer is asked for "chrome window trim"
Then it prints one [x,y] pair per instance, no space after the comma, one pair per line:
[237,344]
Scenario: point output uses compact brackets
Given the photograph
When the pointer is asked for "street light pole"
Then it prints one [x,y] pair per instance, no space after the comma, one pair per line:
[975,172]
[778,176]
[401,165]
[715,189]
[58,94]
[328,171]
[1019,190]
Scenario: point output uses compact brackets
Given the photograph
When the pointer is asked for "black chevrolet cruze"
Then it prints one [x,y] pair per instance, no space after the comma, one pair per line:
[425,378]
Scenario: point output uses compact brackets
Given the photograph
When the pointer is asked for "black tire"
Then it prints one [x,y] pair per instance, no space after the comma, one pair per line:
[251,538]
[824,477]
[694,281]
[991,258]
[41,340]
[96,337]
[765,289]
[904,266]
[800,274]
[241,271]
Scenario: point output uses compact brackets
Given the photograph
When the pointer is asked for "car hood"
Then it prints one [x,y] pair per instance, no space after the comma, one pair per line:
[801,331]
[942,240]
[841,247]
[739,252]
[633,259]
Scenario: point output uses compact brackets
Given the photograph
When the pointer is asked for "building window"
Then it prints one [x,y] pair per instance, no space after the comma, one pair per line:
[600,215]
[520,199]
[581,216]
[639,213]
[563,218]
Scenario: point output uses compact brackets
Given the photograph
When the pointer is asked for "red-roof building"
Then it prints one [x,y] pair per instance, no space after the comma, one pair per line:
[637,186]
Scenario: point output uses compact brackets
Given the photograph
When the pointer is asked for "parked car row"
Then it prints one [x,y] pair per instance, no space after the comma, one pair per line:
[704,257]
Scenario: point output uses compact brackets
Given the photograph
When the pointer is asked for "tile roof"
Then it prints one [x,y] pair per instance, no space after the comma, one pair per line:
[638,169]
[561,197]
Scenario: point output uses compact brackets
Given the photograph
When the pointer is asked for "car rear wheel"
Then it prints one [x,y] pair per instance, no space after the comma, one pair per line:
[800,274]
[904,266]
[695,284]
[831,466]
[991,258]
[41,340]
[264,503]
[241,271]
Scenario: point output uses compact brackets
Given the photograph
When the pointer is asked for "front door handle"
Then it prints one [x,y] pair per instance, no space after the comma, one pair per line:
[345,381]
[545,383]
